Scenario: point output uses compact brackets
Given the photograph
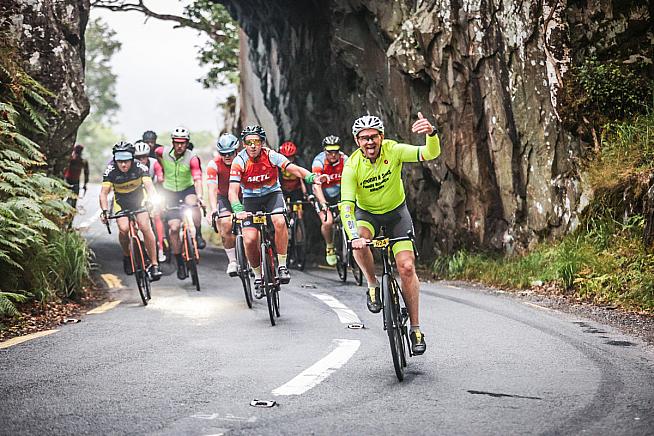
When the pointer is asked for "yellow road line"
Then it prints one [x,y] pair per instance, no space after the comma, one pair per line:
[112,281]
[21,339]
[104,307]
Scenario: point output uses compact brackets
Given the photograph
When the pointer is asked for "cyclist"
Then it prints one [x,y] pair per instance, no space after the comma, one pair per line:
[131,184]
[293,187]
[218,185]
[329,162]
[150,138]
[142,154]
[372,178]
[255,170]
[76,165]
[182,182]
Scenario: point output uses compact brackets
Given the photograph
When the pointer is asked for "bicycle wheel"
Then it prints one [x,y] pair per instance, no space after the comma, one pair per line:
[191,263]
[340,245]
[268,281]
[140,275]
[391,305]
[243,270]
[299,238]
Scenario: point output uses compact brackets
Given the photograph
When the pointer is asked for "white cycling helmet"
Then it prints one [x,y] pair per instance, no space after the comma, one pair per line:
[367,122]
[141,148]
[181,133]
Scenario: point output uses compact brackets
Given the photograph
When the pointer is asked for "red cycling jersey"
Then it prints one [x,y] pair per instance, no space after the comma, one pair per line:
[322,166]
[218,173]
[260,176]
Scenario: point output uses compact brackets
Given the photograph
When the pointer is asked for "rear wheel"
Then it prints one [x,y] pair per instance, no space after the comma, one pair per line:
[268,282]
[139,273]
[243,270]
[191,263]
[391,302]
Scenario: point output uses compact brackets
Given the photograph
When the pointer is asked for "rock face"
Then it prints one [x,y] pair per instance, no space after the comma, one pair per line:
[489,73]
[50,39]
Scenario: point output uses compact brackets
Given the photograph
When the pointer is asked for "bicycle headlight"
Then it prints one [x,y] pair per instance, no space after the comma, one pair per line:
[156,200]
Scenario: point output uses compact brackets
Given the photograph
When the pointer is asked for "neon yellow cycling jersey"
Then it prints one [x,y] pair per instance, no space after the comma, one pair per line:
[377,187]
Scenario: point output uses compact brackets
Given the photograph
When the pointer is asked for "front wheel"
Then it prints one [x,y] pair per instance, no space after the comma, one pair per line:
[299,242]
[243,270]
[391,304]
[268,282]
[191,263]
[140,274]
[340,246]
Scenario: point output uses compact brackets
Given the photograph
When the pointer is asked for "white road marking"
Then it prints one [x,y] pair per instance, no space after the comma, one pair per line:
[345,315]
[21,339]
[228,417]
[319,371]
[537,306]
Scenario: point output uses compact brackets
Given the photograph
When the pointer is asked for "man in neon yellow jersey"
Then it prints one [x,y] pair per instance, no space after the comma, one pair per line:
[372,179]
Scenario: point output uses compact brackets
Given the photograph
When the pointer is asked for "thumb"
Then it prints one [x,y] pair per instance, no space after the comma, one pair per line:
[420,117]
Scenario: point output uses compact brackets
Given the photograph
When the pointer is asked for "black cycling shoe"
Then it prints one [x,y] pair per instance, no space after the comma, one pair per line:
[181,271]
[373,302]
[283,274]
[201,242]
[258,289]
[418,345]
[155,273]
[127,265]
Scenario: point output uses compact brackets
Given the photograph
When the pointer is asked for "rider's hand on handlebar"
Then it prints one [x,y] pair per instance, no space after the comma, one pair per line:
[211,217]
[359,243]
[242,215]
[103,217]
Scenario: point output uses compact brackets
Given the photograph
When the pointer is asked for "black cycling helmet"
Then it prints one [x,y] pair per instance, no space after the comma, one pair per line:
[254,130]
[149,135]
[123,151]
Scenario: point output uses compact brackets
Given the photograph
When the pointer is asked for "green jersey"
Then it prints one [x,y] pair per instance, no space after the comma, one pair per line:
[377,187]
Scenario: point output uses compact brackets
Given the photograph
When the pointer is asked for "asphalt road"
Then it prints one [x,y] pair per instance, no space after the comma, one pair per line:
[192,362]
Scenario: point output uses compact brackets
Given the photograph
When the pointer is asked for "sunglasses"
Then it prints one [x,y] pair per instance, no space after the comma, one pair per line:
[253,142]
[366,139]
[333,151]
[231,153]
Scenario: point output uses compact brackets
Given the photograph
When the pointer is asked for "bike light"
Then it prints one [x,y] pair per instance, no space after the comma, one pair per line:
[188,213]
[156,200]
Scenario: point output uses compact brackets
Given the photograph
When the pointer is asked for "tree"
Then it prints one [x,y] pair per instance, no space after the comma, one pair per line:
[101,46]
[221,53]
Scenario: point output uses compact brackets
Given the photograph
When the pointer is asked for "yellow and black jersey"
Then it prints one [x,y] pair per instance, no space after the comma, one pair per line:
[125,182]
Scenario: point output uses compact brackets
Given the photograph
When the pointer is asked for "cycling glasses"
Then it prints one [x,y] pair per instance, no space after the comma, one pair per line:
[253,142]
[365,139]
[228,154]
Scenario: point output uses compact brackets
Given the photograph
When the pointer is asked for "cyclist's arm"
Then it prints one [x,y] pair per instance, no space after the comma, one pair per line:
[317,189]
[158,172]
[149,187]
[317,169]
[213,196]
[104,193]
[411,153]
[346,206]
[196,173]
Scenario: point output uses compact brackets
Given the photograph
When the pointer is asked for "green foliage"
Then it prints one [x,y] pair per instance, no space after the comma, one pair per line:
[221,54]
[32,209]
[100,79]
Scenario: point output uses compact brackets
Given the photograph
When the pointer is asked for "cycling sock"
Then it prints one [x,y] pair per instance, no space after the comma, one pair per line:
[373,285]
[281,259]
[231,254]
[257,271]
[180,259]
[414,328]
[330,245]
[198,231]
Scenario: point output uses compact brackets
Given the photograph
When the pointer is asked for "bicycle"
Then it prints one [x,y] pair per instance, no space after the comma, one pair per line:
[344,256]
[190,252]
[296,235]
[243,267]
[269,279]
[137,255]
[394,310]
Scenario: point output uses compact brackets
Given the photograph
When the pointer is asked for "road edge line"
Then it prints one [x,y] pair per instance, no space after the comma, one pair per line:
[20,339]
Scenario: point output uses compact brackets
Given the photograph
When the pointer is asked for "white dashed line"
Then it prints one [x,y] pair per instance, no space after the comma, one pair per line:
[319,371]
[345,315]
